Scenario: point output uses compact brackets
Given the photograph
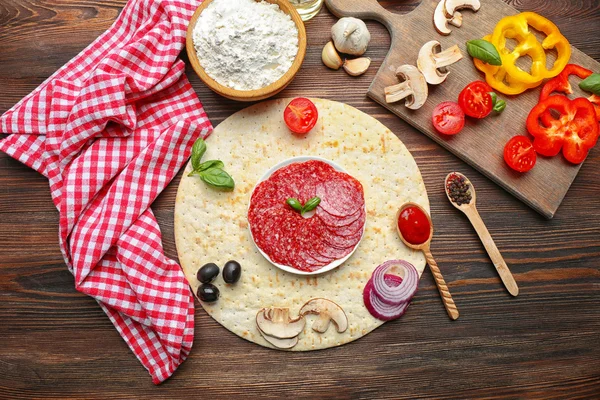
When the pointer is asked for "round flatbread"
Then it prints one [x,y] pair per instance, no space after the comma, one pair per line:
[212,226]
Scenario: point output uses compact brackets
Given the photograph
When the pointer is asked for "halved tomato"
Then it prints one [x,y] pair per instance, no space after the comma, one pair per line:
[301,115]
[519,154]
[476,100]
[448,118]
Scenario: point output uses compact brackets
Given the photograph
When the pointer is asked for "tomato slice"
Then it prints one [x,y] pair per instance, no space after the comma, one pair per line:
[476,100]
[448,118]
[301,115]
[519,154]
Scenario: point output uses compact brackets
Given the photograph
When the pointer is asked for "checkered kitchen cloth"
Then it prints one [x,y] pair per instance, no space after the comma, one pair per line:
[110,130]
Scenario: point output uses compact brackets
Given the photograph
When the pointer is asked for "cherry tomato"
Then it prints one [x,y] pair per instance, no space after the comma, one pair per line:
[300,115]
[519,154]
[448,118]
[414,225]
[476,100]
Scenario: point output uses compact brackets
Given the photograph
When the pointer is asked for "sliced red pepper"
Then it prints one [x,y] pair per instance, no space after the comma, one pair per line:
[595,100]
[560,83]
[575,131]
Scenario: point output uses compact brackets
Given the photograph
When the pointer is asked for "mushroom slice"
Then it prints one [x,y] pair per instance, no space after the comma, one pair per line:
[456,20]
[280,343]
[276,322]
[327,311]
[452,5]
[429,62]
[413,88]
[440,21]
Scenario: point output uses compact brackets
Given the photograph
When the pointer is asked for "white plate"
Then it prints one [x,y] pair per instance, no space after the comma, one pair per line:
[287,268]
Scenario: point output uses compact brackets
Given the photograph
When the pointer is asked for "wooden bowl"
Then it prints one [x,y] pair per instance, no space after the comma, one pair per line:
[257,94]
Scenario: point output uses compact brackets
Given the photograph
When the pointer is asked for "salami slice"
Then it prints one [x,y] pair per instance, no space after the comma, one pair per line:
[341,196]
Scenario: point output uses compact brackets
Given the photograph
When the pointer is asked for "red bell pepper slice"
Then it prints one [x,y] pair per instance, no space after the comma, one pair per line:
[575,131]
[560,84]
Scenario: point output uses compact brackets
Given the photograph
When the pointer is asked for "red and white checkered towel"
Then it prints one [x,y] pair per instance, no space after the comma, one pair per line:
[110,130]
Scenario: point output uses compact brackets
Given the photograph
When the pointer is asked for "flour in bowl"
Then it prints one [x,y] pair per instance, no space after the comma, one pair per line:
[245,44]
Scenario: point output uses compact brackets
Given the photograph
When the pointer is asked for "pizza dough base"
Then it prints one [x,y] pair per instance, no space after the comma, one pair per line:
[211,225]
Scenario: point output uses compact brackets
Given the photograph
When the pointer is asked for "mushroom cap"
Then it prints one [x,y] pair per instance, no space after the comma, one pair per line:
[277,323]
[452,5]
[328,311]
[427,63]
[417,83]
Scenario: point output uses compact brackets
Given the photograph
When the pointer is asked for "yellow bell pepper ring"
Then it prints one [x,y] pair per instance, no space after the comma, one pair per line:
[497,78]
[517,27]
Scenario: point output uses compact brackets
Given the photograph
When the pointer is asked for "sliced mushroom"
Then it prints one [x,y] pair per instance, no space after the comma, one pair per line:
[280,343]
[440,21]
[456,20]
[453,5]
[430,62]
[413,88]
[328,311]
[276,322]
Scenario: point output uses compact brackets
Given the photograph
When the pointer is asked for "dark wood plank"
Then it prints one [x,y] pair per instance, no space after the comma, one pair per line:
[57,343]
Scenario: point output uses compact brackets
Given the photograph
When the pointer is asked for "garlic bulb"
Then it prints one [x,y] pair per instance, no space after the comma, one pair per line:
[350,36]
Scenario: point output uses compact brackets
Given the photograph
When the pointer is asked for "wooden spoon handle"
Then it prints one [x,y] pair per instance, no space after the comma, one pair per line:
[442,287]
[363,9]
[492,250]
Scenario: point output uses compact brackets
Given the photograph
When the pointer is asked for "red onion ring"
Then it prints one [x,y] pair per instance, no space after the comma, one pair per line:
[395,295]
[377,308]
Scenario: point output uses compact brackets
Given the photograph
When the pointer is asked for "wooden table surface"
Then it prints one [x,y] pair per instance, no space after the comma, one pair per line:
[57,343]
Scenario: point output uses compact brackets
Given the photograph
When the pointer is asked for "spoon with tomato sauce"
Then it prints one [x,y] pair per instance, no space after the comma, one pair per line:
[461,193]
[416,230]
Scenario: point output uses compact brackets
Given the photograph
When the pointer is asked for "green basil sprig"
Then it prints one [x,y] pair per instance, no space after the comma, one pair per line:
[485,51]
[211,172]
[498,104]
[309,206]
[591,84]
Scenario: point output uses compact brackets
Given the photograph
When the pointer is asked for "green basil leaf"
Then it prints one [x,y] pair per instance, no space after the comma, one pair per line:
[218,178]
[311,204]
[485,51]
[198,151]
[295,204]
[499,106]
[591,84]
[210,164]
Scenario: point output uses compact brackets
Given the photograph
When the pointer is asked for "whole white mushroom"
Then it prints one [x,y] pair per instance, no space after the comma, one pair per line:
[350,36]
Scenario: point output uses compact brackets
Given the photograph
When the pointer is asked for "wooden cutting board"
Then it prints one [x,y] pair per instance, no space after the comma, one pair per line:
[481,143]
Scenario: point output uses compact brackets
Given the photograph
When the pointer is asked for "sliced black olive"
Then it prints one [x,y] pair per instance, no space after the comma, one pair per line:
[232,271]
[208,293]
[208,273]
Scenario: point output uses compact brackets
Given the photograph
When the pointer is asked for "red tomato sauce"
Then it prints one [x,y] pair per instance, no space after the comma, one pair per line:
[414,225]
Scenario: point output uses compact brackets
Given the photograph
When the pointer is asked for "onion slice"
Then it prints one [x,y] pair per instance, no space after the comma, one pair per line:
[395,295]
[380,310]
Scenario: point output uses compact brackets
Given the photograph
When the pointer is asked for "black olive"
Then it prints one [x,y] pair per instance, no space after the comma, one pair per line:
[208,293]
[232,271]
[208,273]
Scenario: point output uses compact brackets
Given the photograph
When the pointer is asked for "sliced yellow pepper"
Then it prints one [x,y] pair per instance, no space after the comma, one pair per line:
[498,79]
[509,78]
[517,27]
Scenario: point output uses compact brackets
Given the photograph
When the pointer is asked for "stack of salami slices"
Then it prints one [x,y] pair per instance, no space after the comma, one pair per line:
[307,243]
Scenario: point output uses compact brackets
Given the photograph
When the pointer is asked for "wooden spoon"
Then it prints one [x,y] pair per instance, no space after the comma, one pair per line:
[471,212]
[435,271]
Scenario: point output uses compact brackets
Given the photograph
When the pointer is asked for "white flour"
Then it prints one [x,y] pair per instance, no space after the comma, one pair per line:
[245,44]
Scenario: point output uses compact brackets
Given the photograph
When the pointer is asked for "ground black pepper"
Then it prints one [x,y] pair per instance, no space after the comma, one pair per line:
[458,189]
